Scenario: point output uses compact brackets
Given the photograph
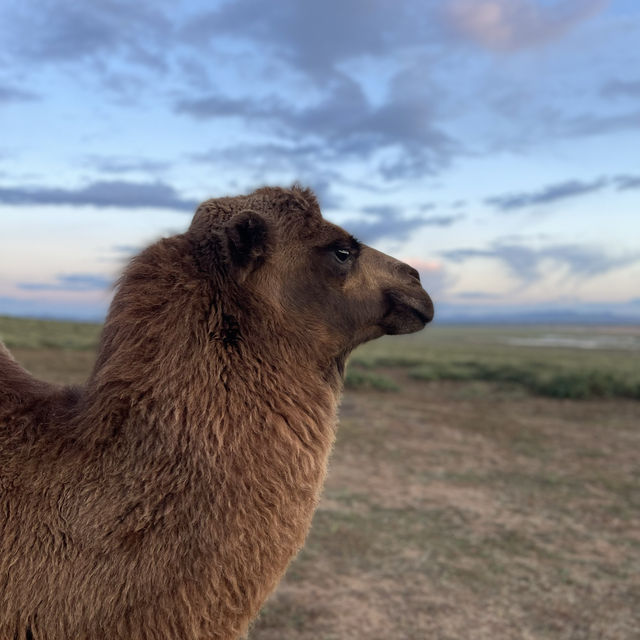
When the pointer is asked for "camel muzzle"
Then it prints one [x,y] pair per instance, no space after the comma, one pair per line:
[407,312]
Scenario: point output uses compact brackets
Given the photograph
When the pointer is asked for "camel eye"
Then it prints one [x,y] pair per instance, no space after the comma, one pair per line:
[342,255]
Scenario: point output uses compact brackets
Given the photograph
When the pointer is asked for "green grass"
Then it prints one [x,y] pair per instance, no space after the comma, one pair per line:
[546,380]
[493,354]
[359,379]
[28,333]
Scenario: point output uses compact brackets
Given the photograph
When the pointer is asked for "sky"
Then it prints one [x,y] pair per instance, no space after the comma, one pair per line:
[492,144]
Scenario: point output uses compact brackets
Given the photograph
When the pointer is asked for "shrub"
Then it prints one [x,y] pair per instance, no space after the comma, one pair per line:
[547,381]
[358,379]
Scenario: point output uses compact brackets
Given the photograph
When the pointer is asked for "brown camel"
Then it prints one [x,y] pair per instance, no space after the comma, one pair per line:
[164,499]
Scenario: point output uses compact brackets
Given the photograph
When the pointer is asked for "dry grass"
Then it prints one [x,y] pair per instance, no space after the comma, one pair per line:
[461,509]
[457,514]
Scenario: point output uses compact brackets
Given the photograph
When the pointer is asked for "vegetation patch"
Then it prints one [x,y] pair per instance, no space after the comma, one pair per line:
[359,379]
[514,358]
[29,333]
[546,381]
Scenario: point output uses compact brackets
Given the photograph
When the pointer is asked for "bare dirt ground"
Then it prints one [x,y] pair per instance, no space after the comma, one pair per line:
[461,510]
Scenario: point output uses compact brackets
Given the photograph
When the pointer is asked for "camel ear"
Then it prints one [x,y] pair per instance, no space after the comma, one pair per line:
[247,241]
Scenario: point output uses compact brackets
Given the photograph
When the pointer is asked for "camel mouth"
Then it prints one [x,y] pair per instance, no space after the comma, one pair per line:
[407,314]
[424,316]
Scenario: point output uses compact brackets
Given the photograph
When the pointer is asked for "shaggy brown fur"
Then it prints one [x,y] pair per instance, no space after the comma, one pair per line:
[165,499]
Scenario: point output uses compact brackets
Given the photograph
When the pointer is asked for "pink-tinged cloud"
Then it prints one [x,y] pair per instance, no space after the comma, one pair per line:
[425,265]
[434,277]
[508,25]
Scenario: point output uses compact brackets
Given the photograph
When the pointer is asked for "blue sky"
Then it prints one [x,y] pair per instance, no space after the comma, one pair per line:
[494,144]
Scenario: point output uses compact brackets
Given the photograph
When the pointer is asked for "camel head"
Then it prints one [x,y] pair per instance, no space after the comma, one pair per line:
[306,272]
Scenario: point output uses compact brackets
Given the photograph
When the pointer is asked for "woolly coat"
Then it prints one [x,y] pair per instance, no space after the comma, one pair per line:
[166,498]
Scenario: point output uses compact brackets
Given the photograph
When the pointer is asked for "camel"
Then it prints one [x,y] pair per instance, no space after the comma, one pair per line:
[165,498]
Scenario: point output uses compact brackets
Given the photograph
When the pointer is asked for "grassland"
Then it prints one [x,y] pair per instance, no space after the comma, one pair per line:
[461,503]
[603,362]
[567,362]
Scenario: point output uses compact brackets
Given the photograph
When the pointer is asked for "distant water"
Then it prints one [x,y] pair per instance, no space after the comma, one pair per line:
[617,342]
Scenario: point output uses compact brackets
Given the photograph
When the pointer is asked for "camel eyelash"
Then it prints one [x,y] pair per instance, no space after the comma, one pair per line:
[349,244]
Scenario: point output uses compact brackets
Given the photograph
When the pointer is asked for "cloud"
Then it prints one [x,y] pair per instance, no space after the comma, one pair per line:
[357,79]
[343,124]
[322,98]
[350,125]
[621,88]
[550,193]
[509,25]
[477,295]
[441,221]
[627,182]
[387,222]
[58,31]
[117,193]
[324,190]
[527,262]
[315,38]
[281,162]
[123,164]
[69,282]
[560,191]
[289,161]
[338,83]
[522,261]
[219,106]
[325,98]
[372,231]
[594,124]
[382,210]
[13,94]
[587,261]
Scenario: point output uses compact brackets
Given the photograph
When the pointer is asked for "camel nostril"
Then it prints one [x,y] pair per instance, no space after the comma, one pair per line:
[412,273]
[403,270]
